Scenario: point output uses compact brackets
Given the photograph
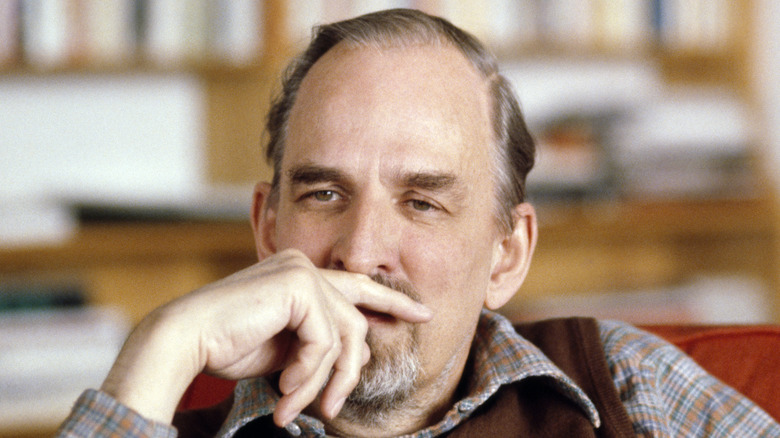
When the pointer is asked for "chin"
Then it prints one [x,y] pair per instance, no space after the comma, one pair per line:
[388,381]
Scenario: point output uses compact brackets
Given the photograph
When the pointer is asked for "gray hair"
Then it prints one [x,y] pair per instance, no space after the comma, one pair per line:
[514,147]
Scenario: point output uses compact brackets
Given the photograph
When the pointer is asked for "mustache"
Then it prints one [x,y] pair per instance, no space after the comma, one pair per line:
[398,285]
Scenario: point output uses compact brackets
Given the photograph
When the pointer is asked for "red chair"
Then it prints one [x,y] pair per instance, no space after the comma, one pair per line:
[206,391]
[745,357]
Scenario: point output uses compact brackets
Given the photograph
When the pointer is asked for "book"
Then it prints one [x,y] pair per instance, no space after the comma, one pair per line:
[106,31]
[693,25]
[623,25]
[686,144]
[34,223]
[49,357]
[47,29]
[168,35]
[236,31]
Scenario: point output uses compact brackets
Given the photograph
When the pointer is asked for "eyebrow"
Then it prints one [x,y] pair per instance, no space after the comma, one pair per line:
[434,182]
[438,183]
[307,174]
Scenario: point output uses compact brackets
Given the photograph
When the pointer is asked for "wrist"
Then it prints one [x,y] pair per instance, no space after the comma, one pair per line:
[156,365]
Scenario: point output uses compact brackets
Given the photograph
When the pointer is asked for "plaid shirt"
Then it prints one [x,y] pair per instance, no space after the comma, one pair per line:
[665,393]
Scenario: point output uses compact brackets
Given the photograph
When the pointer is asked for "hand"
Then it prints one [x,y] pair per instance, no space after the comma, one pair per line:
[280,314]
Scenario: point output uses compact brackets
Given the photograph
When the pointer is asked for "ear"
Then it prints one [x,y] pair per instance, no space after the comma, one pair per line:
[512,257]
[264,220]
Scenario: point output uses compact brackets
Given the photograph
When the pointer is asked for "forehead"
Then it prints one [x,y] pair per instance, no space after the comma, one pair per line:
[418,102]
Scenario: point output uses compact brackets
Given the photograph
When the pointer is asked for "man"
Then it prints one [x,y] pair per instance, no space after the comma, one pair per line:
[396,214]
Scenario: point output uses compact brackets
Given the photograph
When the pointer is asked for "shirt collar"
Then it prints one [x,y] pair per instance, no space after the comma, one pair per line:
[499,356]
[502,356]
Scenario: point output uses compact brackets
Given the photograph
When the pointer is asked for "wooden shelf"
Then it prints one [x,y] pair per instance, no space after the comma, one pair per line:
[639,245]
[582,247]
[121,242]
[138,266]
[657,220]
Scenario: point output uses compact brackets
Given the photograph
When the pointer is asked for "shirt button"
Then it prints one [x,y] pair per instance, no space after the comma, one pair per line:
[465,406]
[293,429]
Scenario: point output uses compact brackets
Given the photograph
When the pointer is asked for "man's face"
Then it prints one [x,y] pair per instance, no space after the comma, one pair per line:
[387,171]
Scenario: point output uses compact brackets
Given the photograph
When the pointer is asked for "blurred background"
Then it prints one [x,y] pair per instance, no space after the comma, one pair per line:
[131,138]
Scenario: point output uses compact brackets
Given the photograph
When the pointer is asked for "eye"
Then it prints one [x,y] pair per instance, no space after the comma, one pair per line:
[421,205]
[325,195]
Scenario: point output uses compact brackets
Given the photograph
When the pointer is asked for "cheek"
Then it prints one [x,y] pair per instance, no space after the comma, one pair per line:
[449,269]
[311,238]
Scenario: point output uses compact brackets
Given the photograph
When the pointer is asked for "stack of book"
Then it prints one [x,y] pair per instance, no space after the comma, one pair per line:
[689,144]
[54,347]
[702,300]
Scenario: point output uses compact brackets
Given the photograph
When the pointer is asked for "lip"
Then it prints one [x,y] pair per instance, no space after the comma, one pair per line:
[377,317]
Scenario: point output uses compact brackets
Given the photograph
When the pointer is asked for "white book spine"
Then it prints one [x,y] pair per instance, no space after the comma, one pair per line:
[109,31]
[47,31]
[237,30]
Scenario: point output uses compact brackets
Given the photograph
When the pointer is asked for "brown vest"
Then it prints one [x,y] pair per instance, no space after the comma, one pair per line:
[529,408]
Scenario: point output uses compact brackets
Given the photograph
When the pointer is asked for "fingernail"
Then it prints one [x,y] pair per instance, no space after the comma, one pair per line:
[282,420]
[290,417]
[425,310]
[337,407]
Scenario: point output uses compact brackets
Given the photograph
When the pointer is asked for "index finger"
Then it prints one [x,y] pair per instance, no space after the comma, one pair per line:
[360,290]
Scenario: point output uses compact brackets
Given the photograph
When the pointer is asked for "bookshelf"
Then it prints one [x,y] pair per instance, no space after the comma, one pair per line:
[238,85]
[586,246]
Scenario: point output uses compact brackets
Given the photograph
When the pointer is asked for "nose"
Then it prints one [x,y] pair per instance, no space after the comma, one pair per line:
[368,240]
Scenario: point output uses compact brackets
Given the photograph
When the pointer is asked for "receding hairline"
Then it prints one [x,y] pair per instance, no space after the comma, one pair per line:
[421,35]
[386,40]
[345,47]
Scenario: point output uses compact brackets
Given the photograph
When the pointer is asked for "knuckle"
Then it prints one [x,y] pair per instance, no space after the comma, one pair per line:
[359,324]
[303,277]
[333,351]
[351,379]
[299,257]
[336,346]
[319,351]
[294,257]
[328,344]
[366,282]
